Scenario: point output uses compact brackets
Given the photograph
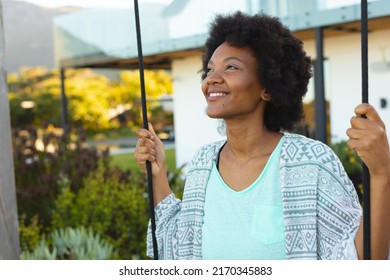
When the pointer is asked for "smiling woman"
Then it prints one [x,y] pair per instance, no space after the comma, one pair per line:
[231,86]
[265,193]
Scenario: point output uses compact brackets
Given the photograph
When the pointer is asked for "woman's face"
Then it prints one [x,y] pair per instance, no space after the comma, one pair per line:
[232,88]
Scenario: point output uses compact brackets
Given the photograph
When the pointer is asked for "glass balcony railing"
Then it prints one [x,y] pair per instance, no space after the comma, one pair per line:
[108,34]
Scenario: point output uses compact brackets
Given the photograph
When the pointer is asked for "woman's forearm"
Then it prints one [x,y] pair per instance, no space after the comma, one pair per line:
[380,219]
[161,187]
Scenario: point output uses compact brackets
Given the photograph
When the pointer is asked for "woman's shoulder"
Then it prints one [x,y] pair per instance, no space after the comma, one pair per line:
[213,145]
[294,137]
[207,153]
[298,148]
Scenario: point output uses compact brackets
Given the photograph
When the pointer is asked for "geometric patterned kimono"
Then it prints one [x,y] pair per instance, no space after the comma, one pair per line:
[321,209]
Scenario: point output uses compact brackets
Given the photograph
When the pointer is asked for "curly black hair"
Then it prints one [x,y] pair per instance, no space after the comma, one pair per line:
[284,68]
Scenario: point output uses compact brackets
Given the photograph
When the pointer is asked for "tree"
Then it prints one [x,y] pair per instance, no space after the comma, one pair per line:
[9,238]
[93,100]
[39,88]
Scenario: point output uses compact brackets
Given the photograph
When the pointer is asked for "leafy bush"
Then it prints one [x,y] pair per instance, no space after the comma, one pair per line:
[71,244]
[113,207]
[30,233]
[65,184]
[44,162]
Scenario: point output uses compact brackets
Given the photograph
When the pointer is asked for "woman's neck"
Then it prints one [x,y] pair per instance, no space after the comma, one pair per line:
[247,140]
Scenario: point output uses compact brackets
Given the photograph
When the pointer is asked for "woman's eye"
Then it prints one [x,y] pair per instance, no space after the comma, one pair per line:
[209,70]
[231,67]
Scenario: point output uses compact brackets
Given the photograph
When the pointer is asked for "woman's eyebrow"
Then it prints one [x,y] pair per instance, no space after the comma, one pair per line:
[233,58]
[228,59]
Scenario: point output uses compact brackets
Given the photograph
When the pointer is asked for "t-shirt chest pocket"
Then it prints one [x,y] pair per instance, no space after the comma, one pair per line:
[267,224]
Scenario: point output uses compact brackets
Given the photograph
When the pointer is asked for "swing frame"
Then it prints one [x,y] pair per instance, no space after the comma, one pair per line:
[365,171]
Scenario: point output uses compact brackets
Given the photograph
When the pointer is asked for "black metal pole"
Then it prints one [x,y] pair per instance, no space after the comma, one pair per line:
[319,85]
[366,174]
[146,126]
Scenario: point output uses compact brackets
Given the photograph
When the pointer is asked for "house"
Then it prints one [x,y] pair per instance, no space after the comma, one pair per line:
[172,38]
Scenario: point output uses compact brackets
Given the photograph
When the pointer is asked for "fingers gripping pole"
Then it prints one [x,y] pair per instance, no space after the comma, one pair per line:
[145,124]
[366,174]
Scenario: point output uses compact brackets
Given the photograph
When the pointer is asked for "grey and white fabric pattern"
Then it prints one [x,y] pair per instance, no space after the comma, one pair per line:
[320,206]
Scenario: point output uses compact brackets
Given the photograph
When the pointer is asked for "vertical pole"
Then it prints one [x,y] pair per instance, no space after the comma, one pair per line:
[64,102]
[365,171]
[9,237]
[146,126]
[320,105]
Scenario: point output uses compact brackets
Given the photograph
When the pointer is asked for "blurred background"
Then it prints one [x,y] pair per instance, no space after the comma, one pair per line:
[74,99]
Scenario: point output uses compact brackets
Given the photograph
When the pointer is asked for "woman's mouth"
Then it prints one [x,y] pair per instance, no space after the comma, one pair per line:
[217,94]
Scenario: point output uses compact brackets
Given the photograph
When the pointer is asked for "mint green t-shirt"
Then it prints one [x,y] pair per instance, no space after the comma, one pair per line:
[247,224]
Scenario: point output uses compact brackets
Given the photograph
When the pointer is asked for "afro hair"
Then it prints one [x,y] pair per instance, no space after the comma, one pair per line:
[284,68]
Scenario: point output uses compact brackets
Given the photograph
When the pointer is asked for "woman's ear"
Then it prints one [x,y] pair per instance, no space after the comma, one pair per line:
[265,95]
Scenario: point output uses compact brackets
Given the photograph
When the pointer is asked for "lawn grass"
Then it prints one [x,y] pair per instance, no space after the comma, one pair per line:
[127,161]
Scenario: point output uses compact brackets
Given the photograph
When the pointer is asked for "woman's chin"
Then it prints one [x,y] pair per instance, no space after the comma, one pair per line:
[213,114]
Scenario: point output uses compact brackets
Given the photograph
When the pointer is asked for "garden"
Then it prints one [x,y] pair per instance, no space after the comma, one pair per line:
[76,201]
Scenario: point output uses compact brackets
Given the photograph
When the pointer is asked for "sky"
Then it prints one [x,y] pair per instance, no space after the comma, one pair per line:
[129,3]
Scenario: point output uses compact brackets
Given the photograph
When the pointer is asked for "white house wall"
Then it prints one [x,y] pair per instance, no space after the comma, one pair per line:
[344,56]
[193,128]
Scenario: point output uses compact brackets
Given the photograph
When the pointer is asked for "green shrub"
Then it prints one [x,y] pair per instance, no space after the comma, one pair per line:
[30,233]
[114,204]
[71,186]
[71,244]
[44,162]
[115,207]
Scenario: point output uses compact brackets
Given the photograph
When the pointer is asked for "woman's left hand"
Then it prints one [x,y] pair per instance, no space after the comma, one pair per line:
[369,140]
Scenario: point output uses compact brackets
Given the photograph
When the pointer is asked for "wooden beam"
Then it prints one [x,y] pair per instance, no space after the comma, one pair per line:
[9,237]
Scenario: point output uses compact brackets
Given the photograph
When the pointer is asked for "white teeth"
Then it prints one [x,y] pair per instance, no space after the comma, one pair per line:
[217,94]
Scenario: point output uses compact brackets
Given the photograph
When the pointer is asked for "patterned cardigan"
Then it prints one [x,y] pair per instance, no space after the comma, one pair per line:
[320,205]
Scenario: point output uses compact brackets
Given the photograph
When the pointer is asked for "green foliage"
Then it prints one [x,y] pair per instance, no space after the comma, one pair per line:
[61,183]
[114,206]
[88,95]
[156,83]
[93,99]
[40,86]
[40,252]
[160,118]
[44,162]
[29,233]
[71,244]
[351,161]
[58,184]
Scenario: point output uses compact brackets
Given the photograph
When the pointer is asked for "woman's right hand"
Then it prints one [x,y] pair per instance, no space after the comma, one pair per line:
[150,148]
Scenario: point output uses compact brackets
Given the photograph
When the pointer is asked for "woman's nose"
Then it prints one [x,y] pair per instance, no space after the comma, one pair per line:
[214,77]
